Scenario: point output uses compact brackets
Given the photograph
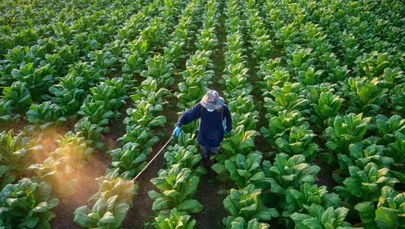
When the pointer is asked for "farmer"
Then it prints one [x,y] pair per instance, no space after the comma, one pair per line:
[215,121]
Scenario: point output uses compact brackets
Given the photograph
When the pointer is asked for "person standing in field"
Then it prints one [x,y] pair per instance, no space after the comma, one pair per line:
[215,121]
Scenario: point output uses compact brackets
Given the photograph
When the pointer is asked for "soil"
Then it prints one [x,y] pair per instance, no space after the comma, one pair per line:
[324,176]
[16,126]
[213,210]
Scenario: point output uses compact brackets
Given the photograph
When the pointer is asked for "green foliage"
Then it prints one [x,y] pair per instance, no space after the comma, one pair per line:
[326,107]
[68,94]
[26,204]
[177,186]
[286,98]
[336,71]
[300,58]
[398,99]
[281,124]
[235,76]
[106,213]
[132,156]
[185,157]
[160,69]
[90,131]
[299,140]
[176,220]
[49,170]
[13,158]
[112,92]
[310,76]
[240,223]
[96,113]
[186,139]
[134,59]
[37,80]
[74,148]
[103,104]
[365,184]
[6,112]
[112,202]
[360,154]
[396,150]
[288,172]
[243,111]
[45,114]
[319,217]
[365,95]
[346,130]
[373,64]
[245,170]
[240,142]
[17,96]
[112,184]
[308,194]
[389,212]
[143,115]
[389,127]
[82,71]
[273,76]
[149,103]
[59,169]
[246,203]
[196,77]
[207,39]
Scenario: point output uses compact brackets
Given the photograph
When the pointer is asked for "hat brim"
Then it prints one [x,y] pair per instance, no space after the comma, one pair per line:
[212,106]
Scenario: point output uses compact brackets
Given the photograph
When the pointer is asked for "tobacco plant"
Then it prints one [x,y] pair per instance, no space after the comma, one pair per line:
[365,184]
[177,186]
[298,200]
[112,202]
[319,217]
[27,204]
[288,172]
[15,149]
[299,140]
[247,203]
[280,124]
[365,95]
[388,127]
[241,223]
[245,170]
[345,130]
[175,219]
[388,213]
[240,142]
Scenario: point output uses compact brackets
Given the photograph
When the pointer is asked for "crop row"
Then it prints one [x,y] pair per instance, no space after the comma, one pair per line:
[73,150]
[178,183]
[320,108]
[148,100]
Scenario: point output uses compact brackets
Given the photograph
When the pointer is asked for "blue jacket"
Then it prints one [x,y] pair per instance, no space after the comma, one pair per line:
[211,131]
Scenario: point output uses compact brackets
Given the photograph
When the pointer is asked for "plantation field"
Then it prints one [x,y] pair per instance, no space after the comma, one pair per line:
[91,90]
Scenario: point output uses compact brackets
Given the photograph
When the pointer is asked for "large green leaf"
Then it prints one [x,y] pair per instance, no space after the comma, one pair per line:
[386,218]
[190,205]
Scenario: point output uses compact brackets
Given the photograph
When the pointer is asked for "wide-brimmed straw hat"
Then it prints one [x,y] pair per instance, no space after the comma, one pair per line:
[212,100]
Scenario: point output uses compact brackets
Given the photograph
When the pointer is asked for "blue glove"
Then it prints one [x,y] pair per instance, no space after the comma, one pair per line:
[176,131]
[226,132]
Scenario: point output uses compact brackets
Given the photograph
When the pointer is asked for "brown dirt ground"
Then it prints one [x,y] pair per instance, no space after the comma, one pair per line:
[213,209]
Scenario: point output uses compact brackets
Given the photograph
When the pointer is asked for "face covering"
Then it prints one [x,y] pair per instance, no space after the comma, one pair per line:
[210,110]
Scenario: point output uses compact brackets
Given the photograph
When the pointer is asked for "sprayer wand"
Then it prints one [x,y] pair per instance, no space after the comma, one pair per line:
[150,162]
